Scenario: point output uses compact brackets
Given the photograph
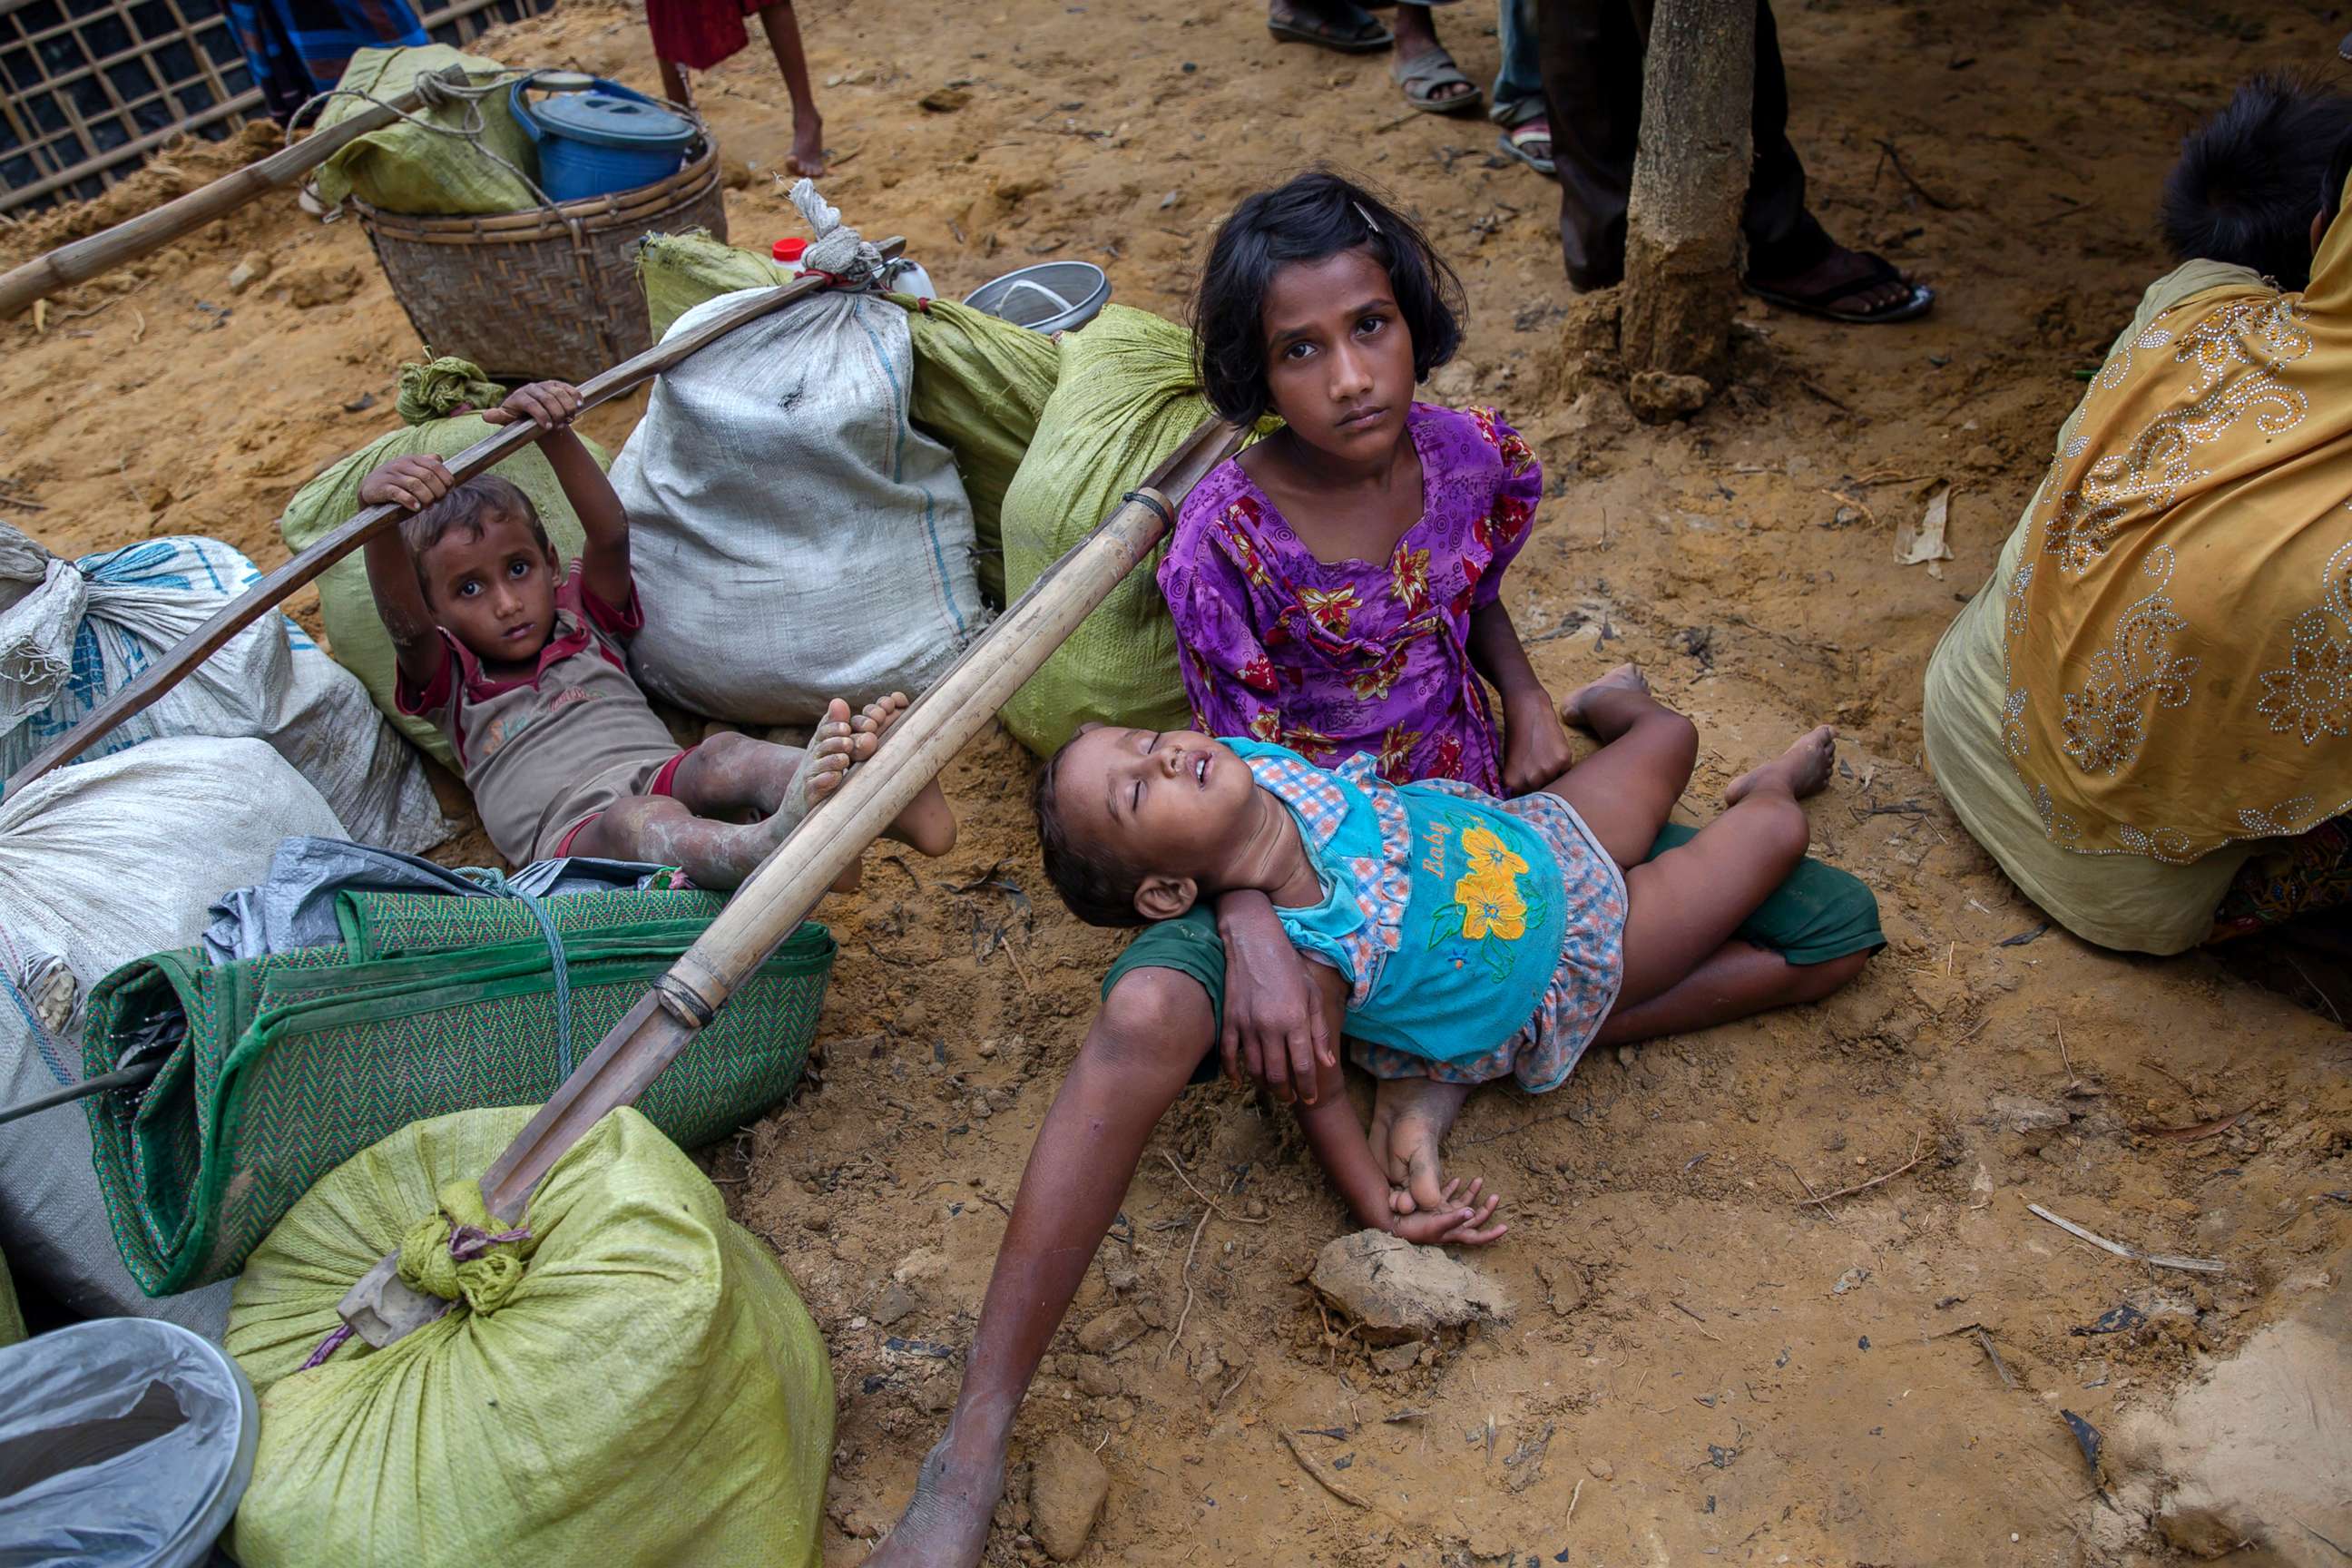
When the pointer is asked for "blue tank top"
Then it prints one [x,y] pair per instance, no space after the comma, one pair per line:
[1444,912]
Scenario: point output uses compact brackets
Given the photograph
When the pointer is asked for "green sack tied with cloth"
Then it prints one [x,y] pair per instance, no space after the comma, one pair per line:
[405,167]
[283,1067]
[355,636]
[627,1376]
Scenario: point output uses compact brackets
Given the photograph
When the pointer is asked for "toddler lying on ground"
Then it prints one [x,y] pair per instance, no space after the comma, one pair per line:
[1468,938]
[523,664]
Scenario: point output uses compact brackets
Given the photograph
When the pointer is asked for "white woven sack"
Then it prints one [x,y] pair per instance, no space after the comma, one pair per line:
[793,538]
[101,864]
[81,630]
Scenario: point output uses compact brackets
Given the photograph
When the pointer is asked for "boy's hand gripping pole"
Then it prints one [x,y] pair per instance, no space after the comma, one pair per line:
[827,842]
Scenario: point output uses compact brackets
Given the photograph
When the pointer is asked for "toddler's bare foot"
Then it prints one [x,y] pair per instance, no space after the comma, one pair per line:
[1598,705]
[1802,769]
[928,824]
[1411,1117]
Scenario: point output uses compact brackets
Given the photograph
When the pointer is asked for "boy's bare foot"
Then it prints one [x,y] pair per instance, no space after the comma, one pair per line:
[1604,692]
[824,767]
[1802,769]
[928,824]
[946,1523]
[1411,1117]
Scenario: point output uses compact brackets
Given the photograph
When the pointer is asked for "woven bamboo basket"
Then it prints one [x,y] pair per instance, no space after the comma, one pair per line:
[547,292]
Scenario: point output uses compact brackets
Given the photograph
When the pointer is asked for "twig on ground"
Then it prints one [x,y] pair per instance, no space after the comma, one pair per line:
[2071,1078]
[1508,1131]
[1221,1213]
[1824,1199]
[1181,1317]
[1890,155]
[1572,1500]
[1855,502]
[1323,1478]
[1998,1365]
[1218,1402]
[2160,1259]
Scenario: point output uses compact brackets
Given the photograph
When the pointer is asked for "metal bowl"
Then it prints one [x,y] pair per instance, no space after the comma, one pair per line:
[1051,297]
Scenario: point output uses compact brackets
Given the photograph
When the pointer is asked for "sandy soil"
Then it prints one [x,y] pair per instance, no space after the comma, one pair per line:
[1701,1365]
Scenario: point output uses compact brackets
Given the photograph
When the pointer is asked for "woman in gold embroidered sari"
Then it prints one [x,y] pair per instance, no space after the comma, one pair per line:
[2146,715]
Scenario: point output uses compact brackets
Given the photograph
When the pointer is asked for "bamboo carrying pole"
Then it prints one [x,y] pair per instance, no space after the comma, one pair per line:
[150,231]
[265,594]
[791,880]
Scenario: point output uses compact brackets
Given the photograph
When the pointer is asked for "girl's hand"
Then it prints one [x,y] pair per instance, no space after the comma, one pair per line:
[1274,1023]
[415,482]
[1536,749]
[550,404]
[1461,1225]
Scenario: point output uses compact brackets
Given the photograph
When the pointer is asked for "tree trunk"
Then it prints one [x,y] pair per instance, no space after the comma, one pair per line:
[1690,182]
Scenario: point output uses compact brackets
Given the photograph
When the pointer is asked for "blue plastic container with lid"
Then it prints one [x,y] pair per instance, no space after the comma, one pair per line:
[599,141]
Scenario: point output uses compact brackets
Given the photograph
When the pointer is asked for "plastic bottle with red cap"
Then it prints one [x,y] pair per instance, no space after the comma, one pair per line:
[911,279]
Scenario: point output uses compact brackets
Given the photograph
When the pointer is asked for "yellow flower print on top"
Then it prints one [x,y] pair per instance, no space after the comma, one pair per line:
[1491,906]
[1489,857]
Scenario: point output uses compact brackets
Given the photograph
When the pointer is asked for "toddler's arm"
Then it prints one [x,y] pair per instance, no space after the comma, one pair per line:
[415,482]
[1346,1156]
[604,527]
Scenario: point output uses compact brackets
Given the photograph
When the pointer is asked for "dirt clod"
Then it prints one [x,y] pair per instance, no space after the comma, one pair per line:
[1066,1489]
[1113,1331]
[1399,1292]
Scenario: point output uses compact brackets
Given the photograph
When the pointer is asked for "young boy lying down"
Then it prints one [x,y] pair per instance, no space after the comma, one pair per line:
[523,664]
[1464,938]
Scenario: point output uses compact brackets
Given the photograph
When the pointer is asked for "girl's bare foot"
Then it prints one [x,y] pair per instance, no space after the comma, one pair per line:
[928,824]
[1605,706]
[1411,1117]
[1802,769]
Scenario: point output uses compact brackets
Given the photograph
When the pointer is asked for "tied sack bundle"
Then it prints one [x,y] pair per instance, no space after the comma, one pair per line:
[79,631]
[626,1375]
[429,396]
[437,166]
[101,864]
[794,538]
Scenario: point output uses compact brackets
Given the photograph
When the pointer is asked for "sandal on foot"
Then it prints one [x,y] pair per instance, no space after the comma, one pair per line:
[1817,301]
[1424,74]
[1521,141]
[1344,28]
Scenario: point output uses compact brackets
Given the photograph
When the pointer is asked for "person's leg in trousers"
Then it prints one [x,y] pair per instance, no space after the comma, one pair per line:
[1590,53]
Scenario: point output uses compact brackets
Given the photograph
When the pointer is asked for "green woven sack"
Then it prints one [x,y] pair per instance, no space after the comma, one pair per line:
[633,1382]
[293,1063]
[355,634]
[980,386]
[679,271]
[1127,398]
[406,168]
[12,1321]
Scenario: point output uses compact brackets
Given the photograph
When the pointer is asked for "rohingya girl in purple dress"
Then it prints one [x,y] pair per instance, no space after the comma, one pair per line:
[1336,588]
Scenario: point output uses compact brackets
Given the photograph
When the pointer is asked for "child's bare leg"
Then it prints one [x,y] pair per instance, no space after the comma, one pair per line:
[1684,906]
[1738,979]
[928,822]
[1411,1117]
[783,30]
[1625,790]
[716,855]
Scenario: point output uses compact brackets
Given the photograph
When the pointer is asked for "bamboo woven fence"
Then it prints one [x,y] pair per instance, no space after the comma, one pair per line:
[89,87]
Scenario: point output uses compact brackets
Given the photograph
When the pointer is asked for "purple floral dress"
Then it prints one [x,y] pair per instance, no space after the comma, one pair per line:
[1356,655]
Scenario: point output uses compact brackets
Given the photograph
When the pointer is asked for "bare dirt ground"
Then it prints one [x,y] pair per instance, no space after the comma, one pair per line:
[1700,1364]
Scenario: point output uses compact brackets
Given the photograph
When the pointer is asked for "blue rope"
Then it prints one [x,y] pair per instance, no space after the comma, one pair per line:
[563,979]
